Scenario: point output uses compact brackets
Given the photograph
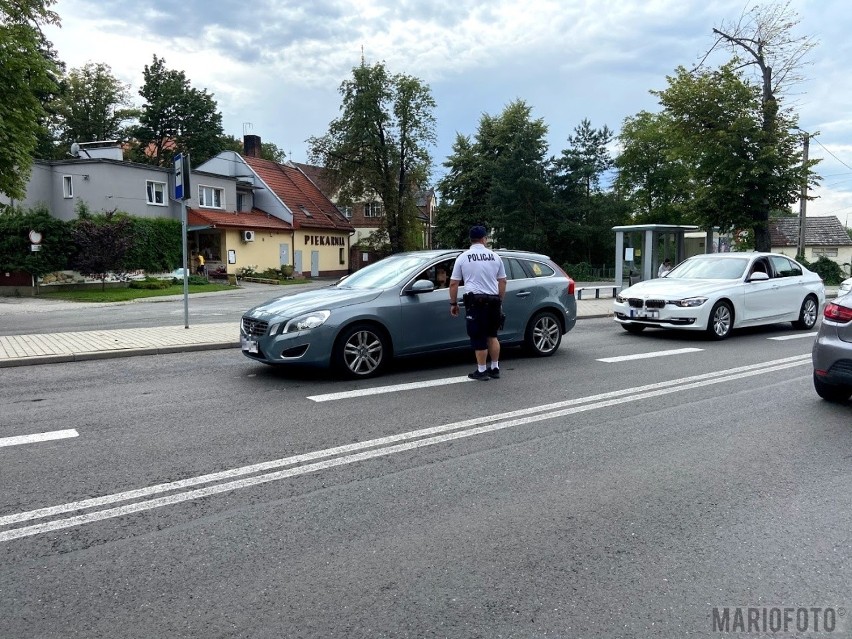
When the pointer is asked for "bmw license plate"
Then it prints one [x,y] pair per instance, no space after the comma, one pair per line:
[249,345]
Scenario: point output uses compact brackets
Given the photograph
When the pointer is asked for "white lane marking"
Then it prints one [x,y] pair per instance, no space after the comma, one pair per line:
[440,434]
[798,336]
[378,390]
[626,358]
[38,437]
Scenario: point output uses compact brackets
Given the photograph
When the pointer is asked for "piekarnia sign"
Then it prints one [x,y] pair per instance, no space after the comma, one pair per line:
[324,240]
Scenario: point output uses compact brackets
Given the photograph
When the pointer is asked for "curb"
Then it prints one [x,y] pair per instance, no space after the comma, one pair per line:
[128,352]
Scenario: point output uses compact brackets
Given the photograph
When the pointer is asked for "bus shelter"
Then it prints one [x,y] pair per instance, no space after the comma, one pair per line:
[641,248]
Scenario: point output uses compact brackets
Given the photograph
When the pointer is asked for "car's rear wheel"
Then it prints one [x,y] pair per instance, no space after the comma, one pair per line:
[633,328]
[831,392]
[808,314]
[361,351]
[721,321]
[544,334]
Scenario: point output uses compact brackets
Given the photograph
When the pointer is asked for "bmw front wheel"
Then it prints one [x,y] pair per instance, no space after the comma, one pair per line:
[721,321]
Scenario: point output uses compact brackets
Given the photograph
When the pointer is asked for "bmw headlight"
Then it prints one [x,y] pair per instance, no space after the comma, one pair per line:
[619,299]
[306,322]
[689,302]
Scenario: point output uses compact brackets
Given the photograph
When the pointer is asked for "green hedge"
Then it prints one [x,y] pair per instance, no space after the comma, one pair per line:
[155,247]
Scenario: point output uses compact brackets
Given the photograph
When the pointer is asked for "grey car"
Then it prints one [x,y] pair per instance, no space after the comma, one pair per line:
[832,352]
[399,307]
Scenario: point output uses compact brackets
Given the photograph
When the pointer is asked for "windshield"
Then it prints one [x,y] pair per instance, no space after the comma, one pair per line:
[708,268]
[390,271]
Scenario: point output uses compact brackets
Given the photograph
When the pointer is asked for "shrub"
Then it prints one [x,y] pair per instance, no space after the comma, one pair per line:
[150,284]
[828,270]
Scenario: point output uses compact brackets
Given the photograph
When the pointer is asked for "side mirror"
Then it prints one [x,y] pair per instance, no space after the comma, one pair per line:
[760,276]
[422,286]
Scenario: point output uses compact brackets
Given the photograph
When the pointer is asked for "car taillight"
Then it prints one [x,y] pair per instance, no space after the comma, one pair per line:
[837,313]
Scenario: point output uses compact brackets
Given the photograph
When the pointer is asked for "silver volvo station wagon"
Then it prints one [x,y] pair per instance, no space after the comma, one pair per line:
[399,307]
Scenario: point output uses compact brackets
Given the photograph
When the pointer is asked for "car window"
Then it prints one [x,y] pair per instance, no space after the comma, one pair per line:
[514,271]
[710,268]
[536,269]
[784,267]
[384,273]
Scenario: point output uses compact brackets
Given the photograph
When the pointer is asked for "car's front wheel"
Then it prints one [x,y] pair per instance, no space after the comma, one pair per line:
[807,314]
[361,351]
[544,334]
[721,321]
[831,392]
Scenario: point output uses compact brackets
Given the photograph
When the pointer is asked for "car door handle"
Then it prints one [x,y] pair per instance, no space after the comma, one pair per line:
[522,294]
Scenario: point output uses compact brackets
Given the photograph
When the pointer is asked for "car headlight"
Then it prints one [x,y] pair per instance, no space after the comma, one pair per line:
[619,299]
[306,322]
[689,302]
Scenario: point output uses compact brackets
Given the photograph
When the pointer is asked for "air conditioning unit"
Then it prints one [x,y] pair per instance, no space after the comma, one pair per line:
[248,236]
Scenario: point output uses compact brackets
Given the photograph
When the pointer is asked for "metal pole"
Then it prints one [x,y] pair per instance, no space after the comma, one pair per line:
[803,199]
[183,223]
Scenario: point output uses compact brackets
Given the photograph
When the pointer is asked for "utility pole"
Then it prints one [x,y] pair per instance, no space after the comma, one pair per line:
[803,199]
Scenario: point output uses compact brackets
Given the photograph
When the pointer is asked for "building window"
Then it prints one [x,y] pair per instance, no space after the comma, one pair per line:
[827,252]
[240,200]
[346,211]
[156,192]
[67,187]
[374,209]
[341,255]
[211,197]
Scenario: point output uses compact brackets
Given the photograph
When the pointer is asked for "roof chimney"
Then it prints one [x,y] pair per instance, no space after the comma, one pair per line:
[251,146]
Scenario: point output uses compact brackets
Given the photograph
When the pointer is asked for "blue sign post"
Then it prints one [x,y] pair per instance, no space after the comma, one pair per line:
[182,194]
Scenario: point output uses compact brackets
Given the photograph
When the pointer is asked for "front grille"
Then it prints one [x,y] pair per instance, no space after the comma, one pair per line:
[254,328]
[655,303]
[634,302]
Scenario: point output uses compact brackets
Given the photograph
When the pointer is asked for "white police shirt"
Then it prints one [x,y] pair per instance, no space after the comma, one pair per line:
[480,268]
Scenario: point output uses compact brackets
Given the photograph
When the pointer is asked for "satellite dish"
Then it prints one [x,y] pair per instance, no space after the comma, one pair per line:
[75,149]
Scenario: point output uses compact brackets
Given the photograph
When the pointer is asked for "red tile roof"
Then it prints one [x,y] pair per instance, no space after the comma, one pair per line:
[311,209]
[254,219]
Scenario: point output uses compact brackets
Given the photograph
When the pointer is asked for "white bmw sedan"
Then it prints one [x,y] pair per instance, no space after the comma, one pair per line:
[719,292]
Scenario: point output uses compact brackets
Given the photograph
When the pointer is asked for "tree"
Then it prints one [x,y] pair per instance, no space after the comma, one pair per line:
[101,244]
[738,172]
[586,213]
[764,37]
[28,70]
[464,194]
[379,146]
[93,105]
[652,179]
[499,180]
[175,117]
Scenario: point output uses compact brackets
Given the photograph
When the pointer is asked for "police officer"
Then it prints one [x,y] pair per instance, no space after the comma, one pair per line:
[484,279]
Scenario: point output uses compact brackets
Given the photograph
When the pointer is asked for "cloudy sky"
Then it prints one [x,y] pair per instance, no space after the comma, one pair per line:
[275,66]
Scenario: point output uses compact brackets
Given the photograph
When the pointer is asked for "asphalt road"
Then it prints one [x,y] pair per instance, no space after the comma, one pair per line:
[574,497]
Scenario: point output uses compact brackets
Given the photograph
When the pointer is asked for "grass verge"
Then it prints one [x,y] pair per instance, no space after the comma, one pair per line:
[129,294]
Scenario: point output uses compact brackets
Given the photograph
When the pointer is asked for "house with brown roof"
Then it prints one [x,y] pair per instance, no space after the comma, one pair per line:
[367,216]
[825,236]
[284,218]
